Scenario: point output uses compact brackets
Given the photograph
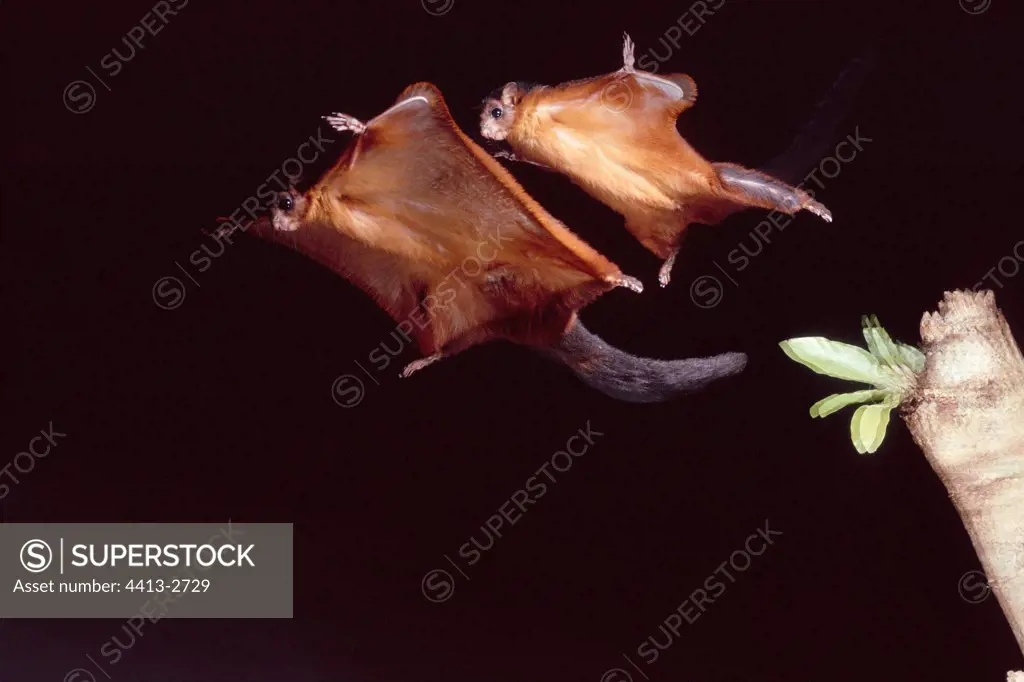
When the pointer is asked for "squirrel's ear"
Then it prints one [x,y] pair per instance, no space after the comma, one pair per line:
[510,94]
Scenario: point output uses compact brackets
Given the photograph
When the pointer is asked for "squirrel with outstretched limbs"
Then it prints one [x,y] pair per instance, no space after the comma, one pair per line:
[413,201]
[615,136]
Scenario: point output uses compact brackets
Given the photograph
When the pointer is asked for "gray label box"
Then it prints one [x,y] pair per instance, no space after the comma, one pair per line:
[146,570]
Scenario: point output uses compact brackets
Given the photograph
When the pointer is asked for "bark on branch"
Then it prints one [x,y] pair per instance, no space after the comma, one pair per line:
[968,417]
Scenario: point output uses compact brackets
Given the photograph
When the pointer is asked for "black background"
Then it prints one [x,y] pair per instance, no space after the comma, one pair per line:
[222,407]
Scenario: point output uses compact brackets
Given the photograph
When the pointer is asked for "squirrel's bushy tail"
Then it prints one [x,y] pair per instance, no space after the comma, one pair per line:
[633,379]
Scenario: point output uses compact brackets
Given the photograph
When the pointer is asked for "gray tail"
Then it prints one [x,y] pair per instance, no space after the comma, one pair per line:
[817,138]
[633,379]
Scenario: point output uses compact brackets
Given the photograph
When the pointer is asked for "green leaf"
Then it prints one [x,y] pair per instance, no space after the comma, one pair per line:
[889,353]
[867,428]
[879,342]
[838,401]
[912,357]
[836,359]
[865,323]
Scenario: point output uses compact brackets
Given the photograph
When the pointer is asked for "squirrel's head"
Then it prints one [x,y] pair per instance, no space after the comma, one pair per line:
[287,211]
[499,110]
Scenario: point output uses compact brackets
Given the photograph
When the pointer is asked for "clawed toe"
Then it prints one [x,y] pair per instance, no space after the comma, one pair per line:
[342,122]
[819,210]
[631,283]
[417,365]
[665,273]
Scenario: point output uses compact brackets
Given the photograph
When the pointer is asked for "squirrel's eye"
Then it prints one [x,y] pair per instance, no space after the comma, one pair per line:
[285,203]
[495,112]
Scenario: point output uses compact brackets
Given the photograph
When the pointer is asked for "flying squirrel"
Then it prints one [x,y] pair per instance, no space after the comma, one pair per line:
[442,237]
[615,136]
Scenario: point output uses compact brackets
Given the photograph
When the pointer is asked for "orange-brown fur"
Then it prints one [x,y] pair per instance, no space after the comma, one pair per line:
[615,136]
[440,234]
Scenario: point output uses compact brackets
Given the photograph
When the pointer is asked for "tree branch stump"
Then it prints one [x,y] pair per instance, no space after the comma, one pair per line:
[967,415]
